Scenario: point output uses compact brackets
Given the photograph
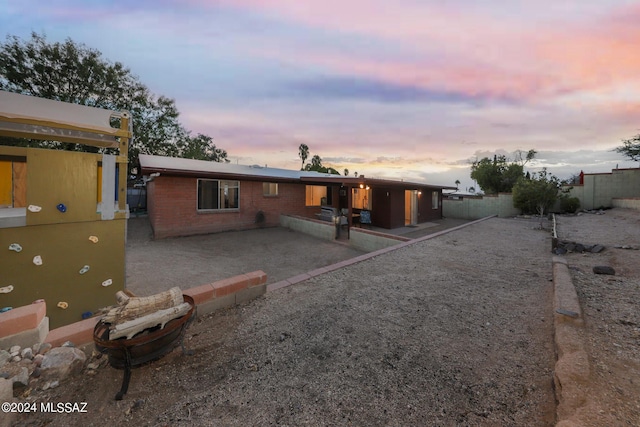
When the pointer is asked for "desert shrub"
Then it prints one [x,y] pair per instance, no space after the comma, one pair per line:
[569,204]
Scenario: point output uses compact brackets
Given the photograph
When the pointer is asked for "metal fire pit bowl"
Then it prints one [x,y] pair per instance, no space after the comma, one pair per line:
[147,346]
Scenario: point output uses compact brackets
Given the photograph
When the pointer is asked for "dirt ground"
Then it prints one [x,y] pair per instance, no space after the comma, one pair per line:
[157,265]
[611,312]
[455,330]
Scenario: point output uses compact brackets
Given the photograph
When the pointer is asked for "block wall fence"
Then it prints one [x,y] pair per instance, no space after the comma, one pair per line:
[619,188]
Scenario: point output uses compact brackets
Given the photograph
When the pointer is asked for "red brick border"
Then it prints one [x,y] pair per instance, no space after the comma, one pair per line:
[29,317]
[22,319]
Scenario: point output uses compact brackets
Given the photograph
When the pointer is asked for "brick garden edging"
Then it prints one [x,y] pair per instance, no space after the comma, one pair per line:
[23,324]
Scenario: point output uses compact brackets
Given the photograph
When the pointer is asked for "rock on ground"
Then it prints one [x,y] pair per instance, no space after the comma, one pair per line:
[60,362]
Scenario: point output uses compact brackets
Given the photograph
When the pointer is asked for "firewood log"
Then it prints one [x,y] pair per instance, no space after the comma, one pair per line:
[161,317]
[130,308]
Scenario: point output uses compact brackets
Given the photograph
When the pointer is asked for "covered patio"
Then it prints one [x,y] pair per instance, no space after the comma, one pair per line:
[383,204]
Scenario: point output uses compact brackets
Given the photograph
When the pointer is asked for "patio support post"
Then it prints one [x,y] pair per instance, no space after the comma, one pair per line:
[349,212]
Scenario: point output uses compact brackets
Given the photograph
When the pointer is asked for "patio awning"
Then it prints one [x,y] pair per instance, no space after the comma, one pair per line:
[26,116]
[379,182]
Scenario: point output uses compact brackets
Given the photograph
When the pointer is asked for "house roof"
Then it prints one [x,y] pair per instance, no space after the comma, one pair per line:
[202,168]
[39,118]
[189,167]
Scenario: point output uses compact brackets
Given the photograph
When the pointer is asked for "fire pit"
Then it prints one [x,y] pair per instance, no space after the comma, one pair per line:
[146,346]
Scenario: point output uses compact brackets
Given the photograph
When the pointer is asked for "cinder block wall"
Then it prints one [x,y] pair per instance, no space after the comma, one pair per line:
[476,207]
[600,189]
[368,241]
[320,229]
[172,207]
[626,203]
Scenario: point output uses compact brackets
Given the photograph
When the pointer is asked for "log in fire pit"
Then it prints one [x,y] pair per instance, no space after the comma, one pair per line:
[142,330]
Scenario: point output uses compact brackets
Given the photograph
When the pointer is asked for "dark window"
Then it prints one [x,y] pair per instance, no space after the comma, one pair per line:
[218,194]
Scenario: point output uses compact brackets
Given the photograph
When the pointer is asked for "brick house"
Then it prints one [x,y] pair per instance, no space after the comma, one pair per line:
[186,197]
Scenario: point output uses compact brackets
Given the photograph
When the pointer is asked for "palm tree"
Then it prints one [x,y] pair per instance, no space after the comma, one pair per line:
[303,152]
[346,172]
[457,183]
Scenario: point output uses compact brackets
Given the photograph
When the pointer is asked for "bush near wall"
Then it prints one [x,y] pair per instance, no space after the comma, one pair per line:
[569,204]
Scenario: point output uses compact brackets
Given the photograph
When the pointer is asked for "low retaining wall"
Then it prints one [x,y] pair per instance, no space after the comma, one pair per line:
[321,229]
[17,326]
[24,325]
[571,374]
[628,203]
[360,238]
[370,241]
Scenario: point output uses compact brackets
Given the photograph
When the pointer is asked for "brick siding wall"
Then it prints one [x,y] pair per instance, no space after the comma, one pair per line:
[172,205]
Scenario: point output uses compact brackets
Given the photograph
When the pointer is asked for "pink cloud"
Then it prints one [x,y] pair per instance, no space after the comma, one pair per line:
[479,54]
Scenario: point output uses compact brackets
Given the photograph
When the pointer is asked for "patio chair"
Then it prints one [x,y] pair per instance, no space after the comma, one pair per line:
[365,218]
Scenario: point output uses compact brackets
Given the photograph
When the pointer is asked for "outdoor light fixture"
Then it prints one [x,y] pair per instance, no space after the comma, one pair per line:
[368,187]
[361,185]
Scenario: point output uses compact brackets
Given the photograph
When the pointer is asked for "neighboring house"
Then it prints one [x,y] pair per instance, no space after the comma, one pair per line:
[459,195]
[186,197]
[63,214]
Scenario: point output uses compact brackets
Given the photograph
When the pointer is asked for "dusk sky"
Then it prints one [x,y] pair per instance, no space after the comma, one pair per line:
[411,89]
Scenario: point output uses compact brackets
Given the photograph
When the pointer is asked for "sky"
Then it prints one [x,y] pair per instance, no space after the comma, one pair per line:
[403,89]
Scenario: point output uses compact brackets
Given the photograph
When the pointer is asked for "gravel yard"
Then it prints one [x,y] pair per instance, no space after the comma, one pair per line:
[455,330]
[612,317]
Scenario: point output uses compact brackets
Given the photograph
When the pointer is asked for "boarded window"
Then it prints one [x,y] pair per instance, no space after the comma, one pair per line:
[13,183]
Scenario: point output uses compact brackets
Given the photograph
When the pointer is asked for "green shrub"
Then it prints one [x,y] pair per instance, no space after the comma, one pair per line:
[570,204]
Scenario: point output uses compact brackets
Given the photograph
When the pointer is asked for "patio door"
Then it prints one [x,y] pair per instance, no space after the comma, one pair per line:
[410,207]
